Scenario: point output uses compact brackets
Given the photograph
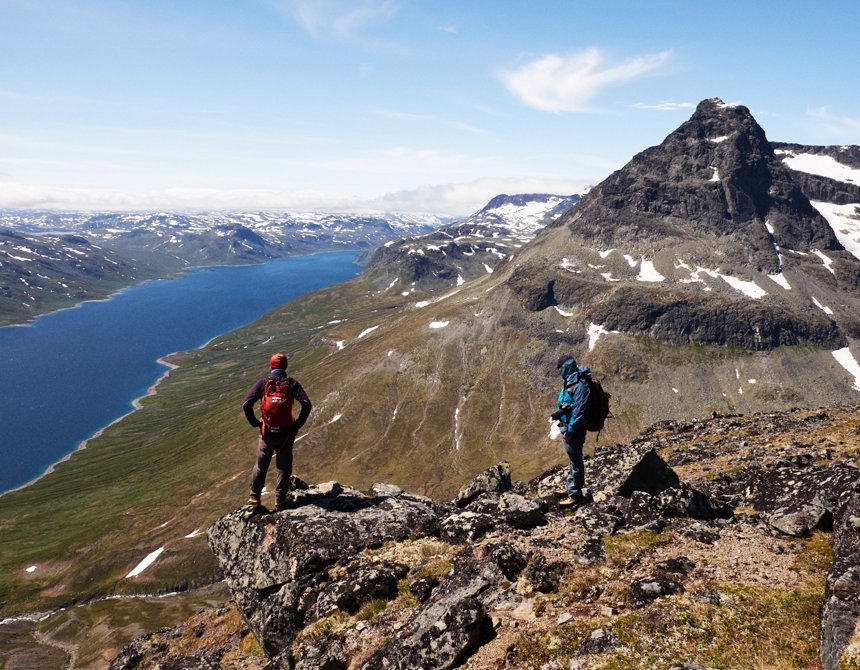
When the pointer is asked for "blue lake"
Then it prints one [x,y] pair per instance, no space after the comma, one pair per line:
[73,372]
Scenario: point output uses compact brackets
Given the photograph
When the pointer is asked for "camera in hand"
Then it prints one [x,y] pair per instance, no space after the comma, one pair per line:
[556,416]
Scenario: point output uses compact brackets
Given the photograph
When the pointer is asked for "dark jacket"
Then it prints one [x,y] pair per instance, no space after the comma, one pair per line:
[575,392]
[257,392]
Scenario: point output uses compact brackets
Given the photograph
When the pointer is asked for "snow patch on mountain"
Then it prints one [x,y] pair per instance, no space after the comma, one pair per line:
[823,308]
[845,222]
[821,165]
[145,563]
[846,359]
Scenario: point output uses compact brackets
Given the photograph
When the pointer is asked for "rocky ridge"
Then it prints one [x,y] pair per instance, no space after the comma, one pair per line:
[707,542]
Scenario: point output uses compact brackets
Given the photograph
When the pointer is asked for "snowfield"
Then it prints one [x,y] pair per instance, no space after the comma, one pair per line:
[821,165]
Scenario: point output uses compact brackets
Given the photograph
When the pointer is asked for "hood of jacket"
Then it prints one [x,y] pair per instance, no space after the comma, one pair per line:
[569,372]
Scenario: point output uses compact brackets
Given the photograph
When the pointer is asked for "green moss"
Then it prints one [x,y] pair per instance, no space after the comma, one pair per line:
[372,609]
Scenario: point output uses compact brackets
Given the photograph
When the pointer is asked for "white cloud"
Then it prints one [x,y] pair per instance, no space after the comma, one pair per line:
[340,18]
[834,124]
[447,29]
[568,83]
[666,106]
[456,199]
[462,199]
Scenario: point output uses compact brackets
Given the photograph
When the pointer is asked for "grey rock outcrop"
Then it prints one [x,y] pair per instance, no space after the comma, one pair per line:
[446,628]
[840,626]
[273,564]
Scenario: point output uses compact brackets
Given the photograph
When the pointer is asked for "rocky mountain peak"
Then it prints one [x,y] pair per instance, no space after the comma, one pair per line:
[715,175]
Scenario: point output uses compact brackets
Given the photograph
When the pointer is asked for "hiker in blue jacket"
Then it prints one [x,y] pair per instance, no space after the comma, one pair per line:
[573,405]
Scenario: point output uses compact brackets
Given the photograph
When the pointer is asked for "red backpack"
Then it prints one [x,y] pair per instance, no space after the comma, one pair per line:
[276,405]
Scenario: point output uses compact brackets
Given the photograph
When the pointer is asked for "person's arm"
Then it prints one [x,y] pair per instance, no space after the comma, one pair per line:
[300,395]
[581,401]
[248,406]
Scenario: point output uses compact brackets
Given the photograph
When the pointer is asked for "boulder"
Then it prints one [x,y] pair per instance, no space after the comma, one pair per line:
[389,490]
[522,512]
[827,485]
[840,623]
[590,551]
[801,520]
[542,575]
[701,533]
[325,653]
[465,526]
[620,472]
[680,565]
[510,560]
[423,588]
[645,590]
[496,479]
[446,628]
[685,501]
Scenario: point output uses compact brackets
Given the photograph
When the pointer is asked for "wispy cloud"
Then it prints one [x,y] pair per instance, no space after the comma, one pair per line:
[569,83]
[462,199]
[447,29]
[665,106]
[339,18]
[453,199]
[836,125]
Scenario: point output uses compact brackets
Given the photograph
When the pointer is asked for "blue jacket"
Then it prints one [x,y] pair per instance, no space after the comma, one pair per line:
[575,392]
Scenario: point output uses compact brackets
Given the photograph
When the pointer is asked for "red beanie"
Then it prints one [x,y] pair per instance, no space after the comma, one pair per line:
[278,362]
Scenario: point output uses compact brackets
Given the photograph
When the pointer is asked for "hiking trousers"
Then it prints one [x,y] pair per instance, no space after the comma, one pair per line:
[283,451]
[573,443]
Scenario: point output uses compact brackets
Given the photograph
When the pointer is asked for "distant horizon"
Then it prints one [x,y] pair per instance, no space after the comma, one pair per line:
[388,105]
[280,210]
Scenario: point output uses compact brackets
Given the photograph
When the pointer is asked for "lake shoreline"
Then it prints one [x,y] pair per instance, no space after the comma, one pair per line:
[175,275]
[136,404]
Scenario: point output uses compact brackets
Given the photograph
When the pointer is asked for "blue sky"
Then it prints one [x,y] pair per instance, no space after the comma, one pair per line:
[389,104]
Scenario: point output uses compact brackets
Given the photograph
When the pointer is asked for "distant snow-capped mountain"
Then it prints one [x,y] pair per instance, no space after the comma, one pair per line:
[463,250]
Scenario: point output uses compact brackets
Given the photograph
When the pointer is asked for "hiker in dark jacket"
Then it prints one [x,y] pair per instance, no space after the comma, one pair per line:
[274,440]
[574,400]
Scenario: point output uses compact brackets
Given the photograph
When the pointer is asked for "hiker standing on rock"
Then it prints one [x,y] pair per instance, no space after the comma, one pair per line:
[572,413]
[278,428]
